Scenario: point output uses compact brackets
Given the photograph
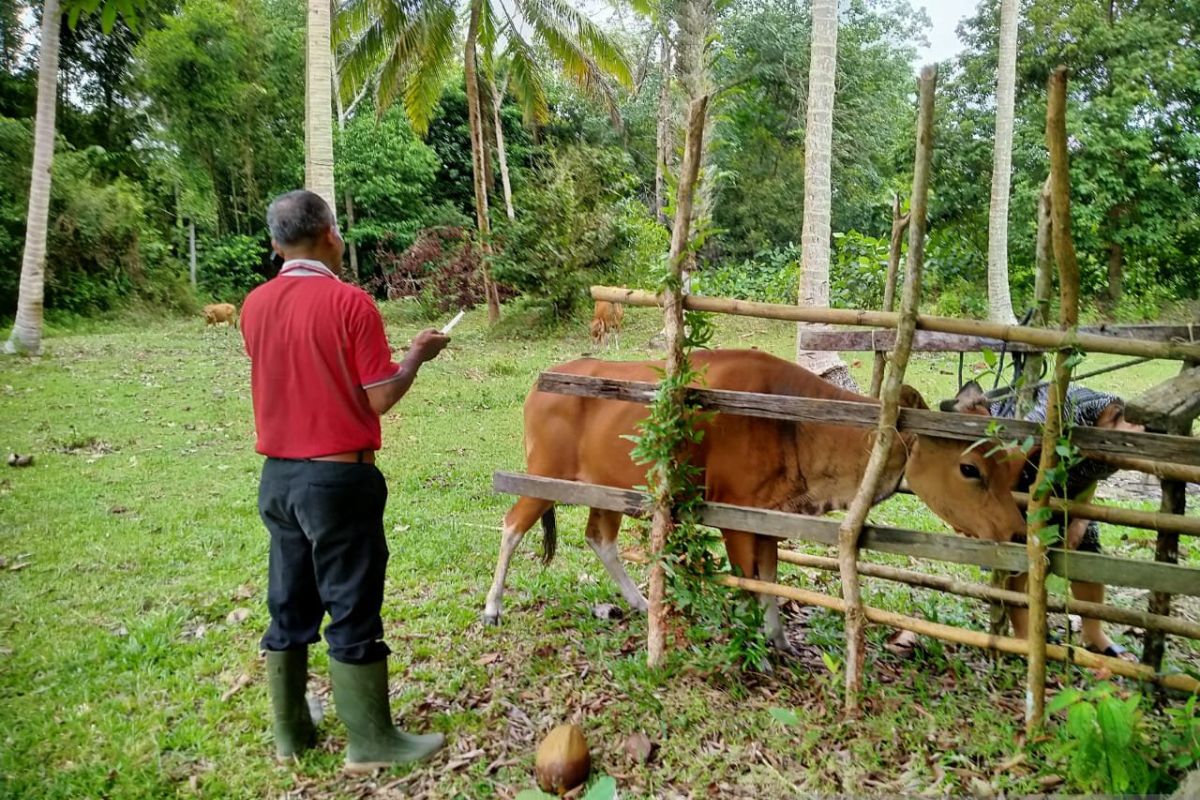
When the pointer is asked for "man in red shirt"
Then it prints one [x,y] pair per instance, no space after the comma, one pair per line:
[321,375]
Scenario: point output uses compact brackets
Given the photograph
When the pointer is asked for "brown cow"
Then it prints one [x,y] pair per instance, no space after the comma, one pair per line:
[808,467]
[606,323]
[220,312]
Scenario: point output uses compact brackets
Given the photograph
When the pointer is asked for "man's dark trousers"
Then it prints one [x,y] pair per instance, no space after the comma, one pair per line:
[328,554]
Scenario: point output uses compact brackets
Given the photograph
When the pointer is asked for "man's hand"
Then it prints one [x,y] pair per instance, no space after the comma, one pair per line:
[426,346]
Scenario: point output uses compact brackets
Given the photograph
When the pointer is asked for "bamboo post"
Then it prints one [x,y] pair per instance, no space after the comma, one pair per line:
[1031,373]
[899,223]
[851,527]
[1068,288]
[663,520]
[1174,501]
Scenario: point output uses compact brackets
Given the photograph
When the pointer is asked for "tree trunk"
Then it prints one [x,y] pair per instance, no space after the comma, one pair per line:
[26,336]
[501,154]
[818,159]
[999,298]
[192,251]
[318,105]
[475,117]
[663,142]
[347,194]
[899,223]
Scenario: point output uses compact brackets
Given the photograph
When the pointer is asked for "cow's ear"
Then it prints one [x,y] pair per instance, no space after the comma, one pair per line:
[969,400]
[911,398]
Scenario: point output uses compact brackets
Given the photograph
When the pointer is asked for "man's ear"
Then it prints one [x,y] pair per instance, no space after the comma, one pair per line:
[969,400]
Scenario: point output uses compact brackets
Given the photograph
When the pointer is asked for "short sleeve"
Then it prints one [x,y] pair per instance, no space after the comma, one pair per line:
[371,354]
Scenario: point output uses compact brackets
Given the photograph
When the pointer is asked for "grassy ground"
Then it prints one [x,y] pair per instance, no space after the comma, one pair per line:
[134,586]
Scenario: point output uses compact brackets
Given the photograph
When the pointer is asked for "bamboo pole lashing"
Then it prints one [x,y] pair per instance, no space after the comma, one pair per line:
[889,412]
[978,591]
[663,521]
[1040,337]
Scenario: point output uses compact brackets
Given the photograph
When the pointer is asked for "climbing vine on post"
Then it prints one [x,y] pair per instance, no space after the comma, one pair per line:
[670,430]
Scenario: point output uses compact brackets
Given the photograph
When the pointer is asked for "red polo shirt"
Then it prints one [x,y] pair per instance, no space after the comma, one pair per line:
[315,344]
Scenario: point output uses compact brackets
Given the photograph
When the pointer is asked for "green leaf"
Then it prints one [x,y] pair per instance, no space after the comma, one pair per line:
[533,794]
[785,715]
[603,789]
[1063,699]
[108,16]
[990,358]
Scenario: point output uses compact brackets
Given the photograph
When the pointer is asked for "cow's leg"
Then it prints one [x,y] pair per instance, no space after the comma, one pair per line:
[757,557]
[1019,616]
[518,520]
[766,550]
[602,530]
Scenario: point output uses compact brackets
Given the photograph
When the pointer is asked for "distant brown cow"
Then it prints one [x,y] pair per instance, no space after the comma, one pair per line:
[801,467]
[606,323]
[220,312]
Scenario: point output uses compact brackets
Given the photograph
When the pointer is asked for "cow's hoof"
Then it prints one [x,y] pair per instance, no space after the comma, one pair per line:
[491,620]
[785,649]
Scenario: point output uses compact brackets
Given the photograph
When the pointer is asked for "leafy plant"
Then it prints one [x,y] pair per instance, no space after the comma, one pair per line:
[1109,747]
[604,788]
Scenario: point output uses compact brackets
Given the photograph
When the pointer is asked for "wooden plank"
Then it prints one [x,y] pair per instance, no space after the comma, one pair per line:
[1042,337]
[965,427]
[927,341]
[1108,570]
[1169,404]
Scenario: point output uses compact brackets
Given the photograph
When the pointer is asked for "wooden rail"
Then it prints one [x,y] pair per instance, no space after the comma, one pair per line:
[1108,570]
[1182,450]
[1042,337]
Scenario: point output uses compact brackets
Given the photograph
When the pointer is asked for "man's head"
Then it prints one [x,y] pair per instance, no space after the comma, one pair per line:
[303,226]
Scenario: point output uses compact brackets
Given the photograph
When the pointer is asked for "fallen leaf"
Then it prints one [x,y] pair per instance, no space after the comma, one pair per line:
[639,748]
[1015,761]
[488,658]
[243,592]
[982,789]
[1049,781]
[901,643]
[242,681]
[118,510]
[237,616]
[18,567]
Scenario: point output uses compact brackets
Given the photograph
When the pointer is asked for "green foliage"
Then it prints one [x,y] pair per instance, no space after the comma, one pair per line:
[772,276]
[230,267]
[858,271]
[574,228]
[1108,746]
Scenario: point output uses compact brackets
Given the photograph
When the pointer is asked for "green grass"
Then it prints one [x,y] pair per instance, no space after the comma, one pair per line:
[135,535]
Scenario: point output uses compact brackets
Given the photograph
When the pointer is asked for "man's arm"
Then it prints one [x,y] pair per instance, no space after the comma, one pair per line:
[424,348]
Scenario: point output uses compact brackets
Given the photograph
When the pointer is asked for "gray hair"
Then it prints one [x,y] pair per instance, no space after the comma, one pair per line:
[298,217]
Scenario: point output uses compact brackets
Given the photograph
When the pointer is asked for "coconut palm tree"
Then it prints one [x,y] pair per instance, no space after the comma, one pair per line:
[999,299]
[318,103]
[407,47]
[26,337]
[818,157]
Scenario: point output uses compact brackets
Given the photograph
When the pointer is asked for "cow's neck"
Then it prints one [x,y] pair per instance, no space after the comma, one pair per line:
[834,462]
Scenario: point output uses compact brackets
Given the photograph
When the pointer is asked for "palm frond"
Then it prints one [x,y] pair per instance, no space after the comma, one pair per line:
[428,76]
[525,79]
[489,34]
[574,60]
[601,48]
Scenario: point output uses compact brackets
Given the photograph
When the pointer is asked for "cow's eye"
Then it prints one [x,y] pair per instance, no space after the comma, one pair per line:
[969,471]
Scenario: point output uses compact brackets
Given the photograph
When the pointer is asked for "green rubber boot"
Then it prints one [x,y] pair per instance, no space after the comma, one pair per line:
[361,695]
[287,678]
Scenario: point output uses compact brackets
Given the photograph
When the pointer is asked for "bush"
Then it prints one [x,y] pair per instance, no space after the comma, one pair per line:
[441,270]
[229,267]
[574,228]
[772,276]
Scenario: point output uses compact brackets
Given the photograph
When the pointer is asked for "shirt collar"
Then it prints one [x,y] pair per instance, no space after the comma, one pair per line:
[305,268]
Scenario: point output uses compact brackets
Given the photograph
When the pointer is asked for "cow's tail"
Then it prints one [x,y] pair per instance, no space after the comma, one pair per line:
[549,536]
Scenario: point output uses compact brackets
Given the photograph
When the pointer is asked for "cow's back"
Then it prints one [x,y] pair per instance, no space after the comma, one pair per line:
[747,460]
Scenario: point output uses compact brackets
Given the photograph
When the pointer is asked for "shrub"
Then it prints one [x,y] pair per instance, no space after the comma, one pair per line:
[229,267]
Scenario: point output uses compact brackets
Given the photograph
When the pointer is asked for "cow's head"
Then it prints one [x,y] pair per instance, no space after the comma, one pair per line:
[970,488]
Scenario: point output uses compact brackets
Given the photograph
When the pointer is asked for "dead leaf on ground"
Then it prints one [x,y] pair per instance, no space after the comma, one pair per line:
[1010,763]
[242,681]
[639,748]
[901,643]
[488,658]
[238,616]
[118,510]
[243,592]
